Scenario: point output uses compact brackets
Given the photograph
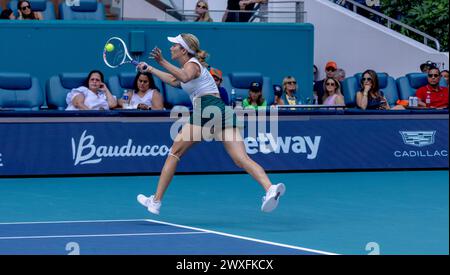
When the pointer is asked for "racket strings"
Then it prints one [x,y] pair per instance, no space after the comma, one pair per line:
[117,55]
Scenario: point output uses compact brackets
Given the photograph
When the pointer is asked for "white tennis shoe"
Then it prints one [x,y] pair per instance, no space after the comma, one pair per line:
[149,202]
[270,200]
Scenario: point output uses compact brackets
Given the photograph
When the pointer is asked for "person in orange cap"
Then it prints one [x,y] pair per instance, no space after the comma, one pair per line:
[217,75]
[330,69]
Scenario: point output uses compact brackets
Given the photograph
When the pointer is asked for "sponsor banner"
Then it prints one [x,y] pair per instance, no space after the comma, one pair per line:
[315,144]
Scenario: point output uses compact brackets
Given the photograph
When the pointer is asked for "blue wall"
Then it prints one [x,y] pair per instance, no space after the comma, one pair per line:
[119,145]
[47,48]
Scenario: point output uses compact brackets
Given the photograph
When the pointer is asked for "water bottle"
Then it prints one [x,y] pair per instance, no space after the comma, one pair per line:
[316,99]
[125,98]
[238,102]
[233,98]
[428,99]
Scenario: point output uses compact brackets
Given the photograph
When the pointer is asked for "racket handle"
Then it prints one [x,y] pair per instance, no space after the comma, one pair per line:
[135,63]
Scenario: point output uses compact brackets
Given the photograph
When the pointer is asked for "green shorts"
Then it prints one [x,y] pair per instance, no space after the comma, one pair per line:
[213,108]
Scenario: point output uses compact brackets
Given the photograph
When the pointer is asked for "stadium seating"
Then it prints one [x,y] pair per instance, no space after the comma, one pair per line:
[87,10]
[44,6]
[351,86]
[20,91]
[408,84]
[175,97]
[59,85]
[124,81]
[240,82]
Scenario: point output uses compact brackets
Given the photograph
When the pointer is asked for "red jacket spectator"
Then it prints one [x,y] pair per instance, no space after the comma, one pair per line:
[439,96]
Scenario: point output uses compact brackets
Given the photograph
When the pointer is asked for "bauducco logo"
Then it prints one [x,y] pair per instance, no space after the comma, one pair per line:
[87,152]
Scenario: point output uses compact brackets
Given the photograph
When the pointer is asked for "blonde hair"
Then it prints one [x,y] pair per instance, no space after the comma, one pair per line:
[206,17]
[288,79]
[202,56]
[194,44]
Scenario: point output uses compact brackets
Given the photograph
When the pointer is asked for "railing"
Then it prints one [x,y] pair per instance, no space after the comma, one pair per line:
[280,11]
[265,12]
[391,21]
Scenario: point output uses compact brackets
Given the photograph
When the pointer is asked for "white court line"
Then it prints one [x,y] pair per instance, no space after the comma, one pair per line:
[99,235]
[182,226]
[92,221]
[245,238]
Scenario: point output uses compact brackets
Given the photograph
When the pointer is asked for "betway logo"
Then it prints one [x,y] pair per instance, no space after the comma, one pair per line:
[86,152]
[266,143]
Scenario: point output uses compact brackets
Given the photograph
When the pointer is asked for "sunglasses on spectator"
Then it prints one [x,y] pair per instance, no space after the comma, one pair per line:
[433,75]
[366,79]
[25,7]
[330,84]
[202,7]
[216,78]
[291,82]
[330,69]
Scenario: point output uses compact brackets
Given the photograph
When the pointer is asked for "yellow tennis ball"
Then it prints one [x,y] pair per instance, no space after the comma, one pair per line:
[109,47]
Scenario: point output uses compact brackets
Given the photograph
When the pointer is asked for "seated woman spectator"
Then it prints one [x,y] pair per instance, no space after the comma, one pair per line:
[432,95]
[26,12]
[255,99]
[93,95]
[370,96]
[289,92]
[7,14]
[145,95]
[217,75]
[201,9]
[444,74]
[333,95]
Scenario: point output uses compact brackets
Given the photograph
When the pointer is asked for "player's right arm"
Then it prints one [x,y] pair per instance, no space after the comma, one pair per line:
[165,77]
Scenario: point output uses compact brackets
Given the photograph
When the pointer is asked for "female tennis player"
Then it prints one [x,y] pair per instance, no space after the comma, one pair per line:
[198,82]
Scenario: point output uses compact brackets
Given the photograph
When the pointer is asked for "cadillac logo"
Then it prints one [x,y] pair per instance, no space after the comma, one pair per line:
[418,138]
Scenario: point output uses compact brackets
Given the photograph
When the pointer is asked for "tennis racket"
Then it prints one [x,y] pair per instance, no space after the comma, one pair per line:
[115,54]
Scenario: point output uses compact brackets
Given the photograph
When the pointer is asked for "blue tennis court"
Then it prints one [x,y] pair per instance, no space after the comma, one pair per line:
[402,212]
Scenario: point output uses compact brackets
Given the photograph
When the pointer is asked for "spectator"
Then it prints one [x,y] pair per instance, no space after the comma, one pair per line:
[333,95]
[7,14]
[330,69]
[370,96]
[202,56]
[444,74]
[26,12]
[255,98]
[315,74]
[278,93]
[289,92]
[424,67]
[233,14]
[93,95]
[217,75]
[438,95]
[202,10]
[145,95]
[339,74]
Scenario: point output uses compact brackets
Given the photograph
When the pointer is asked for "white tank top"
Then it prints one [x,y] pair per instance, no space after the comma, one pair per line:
[146,99]
[202,85]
